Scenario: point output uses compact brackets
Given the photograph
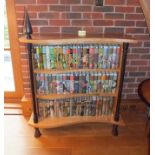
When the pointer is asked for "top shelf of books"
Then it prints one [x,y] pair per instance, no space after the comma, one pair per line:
[59,39]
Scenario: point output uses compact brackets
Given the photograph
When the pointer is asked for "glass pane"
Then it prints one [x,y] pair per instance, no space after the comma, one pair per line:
[8,69]
[8,73]
[6,33]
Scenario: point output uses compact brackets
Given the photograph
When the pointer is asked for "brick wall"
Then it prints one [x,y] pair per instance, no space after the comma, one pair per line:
[68,16]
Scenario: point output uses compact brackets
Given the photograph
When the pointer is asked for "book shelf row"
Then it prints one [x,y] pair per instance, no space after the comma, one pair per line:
[81,106]
[105,56]
[74,83]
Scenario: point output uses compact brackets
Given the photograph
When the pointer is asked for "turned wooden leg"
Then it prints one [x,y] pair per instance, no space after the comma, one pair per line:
[37,133]
[115,130]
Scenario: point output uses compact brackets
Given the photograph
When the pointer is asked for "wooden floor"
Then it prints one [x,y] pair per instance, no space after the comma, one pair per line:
[82,139]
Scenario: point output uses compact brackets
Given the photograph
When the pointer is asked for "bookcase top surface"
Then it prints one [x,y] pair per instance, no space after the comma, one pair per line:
[55,39]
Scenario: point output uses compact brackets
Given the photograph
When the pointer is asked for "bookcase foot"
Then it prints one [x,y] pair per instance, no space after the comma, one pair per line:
[37,133]
[115,130]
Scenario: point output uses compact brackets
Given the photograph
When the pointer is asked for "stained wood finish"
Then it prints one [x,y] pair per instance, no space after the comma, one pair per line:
[59,39]
[145,4]
[144,91]
[65,121]
[80,139]
[55,71]
[10,96]
[63,96]
[118,79]
[121,79]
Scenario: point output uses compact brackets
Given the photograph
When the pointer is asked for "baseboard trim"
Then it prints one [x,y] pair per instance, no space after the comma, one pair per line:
[12,100]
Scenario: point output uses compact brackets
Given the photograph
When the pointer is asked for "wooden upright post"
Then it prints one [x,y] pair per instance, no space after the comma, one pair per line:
[125,50]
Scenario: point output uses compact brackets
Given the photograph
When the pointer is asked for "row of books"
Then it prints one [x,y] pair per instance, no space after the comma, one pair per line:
[82,82]
[104,56]
[81,106]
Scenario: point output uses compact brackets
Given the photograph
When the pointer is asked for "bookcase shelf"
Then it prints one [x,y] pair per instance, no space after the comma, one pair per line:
[56,71]
[64,51]
[64,39]
[64,96]
[65,121]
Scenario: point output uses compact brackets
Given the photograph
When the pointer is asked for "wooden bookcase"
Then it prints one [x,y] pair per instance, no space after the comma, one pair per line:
[68,39]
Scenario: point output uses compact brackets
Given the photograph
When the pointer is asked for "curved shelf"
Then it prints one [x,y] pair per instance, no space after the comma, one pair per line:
[60,39]
[50,71]
[63,96]
[65,121]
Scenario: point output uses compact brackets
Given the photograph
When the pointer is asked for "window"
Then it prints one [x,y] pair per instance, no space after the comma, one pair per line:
[13,78]
[8,71]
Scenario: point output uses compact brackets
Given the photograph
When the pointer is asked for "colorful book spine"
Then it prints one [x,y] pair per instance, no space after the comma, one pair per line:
[68,82]
[46,90]
[70,57]
[84,83]
[64,83]
[74,57]
[110,55]
[47,57]
[77,56]
[54,84]
[96,57]
[81,57]
[105,56]
[38,50]
[64,58]
[80,82]
[61,84]
[87,82]
[71,83]
[91,57]
[91,82]
[100,56]
[44,57]
[118,56]
[55,56]
[50,83]
[87,56]
[60,57]
[114,58]
[84,58]
[58,63]
[41,88]
[76,83]
[58,83]
[78,59]
[99,82]
[80,106]
[67,57]
[52,63]
[95,82]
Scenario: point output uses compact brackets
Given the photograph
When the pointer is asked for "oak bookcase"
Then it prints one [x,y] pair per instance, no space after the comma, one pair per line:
[68,39]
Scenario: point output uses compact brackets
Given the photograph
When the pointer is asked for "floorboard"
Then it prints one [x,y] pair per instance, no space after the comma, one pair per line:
[81,139]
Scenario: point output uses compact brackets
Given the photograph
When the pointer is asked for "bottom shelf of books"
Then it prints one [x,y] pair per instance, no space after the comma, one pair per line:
[69,111]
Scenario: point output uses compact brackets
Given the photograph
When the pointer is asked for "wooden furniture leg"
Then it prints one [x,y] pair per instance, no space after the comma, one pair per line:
[37,133]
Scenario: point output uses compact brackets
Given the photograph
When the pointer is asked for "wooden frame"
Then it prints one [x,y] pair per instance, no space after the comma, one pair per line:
[145,4]
[61,39]
[15,55]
